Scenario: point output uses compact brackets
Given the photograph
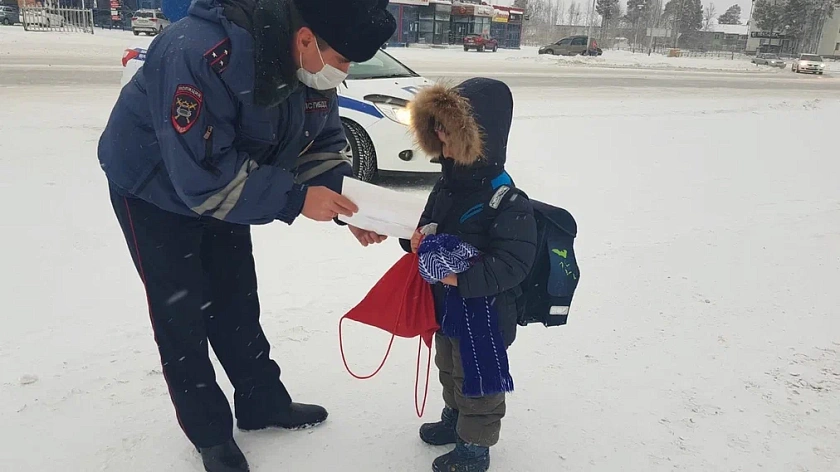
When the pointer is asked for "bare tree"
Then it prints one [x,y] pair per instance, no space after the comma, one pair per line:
[561,12]
[709,16]
[575,13]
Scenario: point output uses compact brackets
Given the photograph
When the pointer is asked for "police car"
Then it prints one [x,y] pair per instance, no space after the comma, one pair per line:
[372,105]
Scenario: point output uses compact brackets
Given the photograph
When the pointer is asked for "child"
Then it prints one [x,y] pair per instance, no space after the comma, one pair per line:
[468,126]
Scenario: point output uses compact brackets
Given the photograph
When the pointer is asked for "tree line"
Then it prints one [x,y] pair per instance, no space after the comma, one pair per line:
[800,20]
[632,17]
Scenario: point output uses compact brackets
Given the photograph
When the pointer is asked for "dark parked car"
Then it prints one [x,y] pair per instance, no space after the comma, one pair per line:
[9,15]
[572,46]
[480,42]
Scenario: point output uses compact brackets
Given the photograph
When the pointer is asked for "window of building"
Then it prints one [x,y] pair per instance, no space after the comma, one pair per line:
[442,19]
[427,25]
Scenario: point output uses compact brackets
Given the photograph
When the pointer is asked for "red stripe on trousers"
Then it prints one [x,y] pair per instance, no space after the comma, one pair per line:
[149,304]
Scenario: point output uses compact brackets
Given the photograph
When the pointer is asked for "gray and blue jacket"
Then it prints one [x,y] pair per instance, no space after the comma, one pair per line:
[216,124]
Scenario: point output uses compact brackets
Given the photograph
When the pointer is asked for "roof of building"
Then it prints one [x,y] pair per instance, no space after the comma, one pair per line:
[730,29]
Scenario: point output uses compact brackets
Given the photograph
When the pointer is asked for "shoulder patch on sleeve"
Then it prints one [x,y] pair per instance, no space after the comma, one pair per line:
[219,55]
[186,107]
[498,196]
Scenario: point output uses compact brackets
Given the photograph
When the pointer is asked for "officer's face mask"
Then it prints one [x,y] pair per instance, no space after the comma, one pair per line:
[327,78]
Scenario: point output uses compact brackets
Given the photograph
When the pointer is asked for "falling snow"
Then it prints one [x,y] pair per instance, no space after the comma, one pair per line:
[720,196]
[177,296]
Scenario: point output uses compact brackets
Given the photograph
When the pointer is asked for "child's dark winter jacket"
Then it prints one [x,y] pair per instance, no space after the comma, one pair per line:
[477,117]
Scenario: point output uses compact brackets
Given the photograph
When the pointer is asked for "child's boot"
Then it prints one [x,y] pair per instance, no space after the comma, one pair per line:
[465,458]
[442,432]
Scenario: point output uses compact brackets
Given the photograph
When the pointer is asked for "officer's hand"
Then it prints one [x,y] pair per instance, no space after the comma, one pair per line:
[322,204]
[365,237]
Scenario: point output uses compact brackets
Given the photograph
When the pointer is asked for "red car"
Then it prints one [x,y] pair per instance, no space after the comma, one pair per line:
[480,42]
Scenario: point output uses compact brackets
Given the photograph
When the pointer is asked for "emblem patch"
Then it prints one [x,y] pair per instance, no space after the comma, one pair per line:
[186,106]
[320,105]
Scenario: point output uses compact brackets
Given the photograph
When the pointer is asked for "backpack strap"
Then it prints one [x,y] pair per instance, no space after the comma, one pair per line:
[504,192]
[496,199]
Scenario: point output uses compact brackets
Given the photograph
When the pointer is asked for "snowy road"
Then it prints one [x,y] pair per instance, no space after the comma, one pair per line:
[704,336]
[93,61]
[96,72]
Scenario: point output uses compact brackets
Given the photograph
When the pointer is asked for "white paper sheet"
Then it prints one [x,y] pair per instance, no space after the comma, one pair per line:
[385,211]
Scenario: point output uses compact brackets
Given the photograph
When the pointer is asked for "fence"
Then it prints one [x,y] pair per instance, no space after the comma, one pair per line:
[665,47]
[107,20]
[72,20]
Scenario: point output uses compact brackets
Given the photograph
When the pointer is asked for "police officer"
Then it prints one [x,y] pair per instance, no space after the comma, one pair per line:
[232,121]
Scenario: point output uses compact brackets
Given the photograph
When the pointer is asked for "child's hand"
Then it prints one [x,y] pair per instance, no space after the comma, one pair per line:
[451,280]
[365,237]
[416,239]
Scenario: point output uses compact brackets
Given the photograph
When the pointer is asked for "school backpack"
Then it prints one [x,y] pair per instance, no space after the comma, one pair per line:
[549,287]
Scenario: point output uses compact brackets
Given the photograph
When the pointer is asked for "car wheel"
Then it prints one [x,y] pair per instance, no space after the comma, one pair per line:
[480,49]
[495,48]
[466,49]
[6,21]
[551,51]
[361,151]
[136,33]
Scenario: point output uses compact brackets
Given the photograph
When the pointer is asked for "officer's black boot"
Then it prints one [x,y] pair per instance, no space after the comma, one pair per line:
[465,458]
[297,416]
[223,458]
[442,432]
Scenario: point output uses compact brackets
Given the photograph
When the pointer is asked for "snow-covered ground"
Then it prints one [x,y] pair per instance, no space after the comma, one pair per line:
[640,60]
[704,335]
[610,59]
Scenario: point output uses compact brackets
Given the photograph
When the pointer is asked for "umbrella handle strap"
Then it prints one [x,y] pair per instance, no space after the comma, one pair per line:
[420,409]
[344,358]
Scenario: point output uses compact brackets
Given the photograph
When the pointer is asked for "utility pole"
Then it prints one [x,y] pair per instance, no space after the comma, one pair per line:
[589,30]
[677,20]
[657,10]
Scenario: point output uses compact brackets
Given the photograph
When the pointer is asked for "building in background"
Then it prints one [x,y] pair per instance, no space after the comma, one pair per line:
[507,26]
[780,42]
[435,22]
[470,18]
[448,22]
[420,21]
[732,38]
[830,41]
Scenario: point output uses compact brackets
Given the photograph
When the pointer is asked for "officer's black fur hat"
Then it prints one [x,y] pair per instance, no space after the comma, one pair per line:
[354,28]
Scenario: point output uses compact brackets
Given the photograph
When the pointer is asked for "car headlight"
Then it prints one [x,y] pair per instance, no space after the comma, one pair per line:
[822,66]
[396,113]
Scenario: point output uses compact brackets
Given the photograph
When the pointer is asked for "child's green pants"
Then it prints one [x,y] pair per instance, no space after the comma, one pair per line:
[480,418]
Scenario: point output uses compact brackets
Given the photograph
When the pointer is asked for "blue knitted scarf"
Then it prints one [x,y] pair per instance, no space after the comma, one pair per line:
[473,321]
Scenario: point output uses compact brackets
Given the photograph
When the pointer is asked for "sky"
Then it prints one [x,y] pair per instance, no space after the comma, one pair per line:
[720,5]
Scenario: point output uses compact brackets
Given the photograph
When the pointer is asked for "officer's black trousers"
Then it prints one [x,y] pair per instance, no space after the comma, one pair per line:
[201,285]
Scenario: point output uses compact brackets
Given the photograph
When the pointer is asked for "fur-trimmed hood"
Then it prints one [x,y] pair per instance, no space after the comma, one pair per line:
[476,114]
